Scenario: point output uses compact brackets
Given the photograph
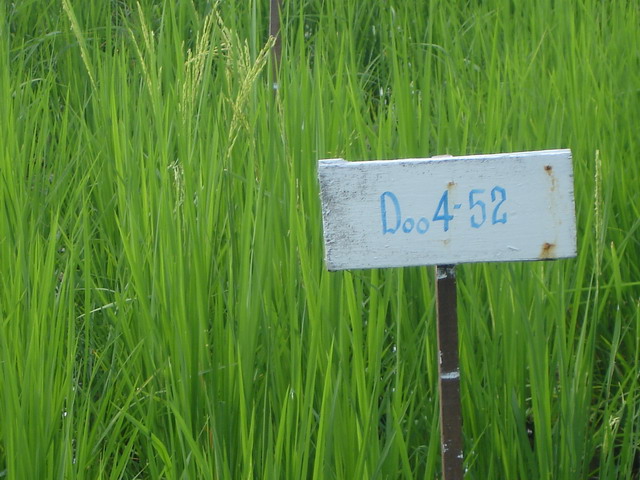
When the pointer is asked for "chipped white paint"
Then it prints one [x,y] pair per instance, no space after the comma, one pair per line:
[445,272]
[481,208]
[450,375]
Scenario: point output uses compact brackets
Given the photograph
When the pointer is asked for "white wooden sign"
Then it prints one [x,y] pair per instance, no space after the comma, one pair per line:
[437,211]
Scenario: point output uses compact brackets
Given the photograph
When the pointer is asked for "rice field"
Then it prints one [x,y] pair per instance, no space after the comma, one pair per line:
[165,311]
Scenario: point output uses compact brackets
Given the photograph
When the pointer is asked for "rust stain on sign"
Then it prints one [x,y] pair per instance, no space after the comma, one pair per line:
[548,250]
[549,170]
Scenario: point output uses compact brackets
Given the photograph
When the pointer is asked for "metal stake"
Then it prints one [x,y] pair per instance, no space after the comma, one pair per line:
[449,370]
[274,31]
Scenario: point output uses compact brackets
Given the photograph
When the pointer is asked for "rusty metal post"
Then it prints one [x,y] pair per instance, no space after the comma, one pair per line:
[275,6]
[449,370]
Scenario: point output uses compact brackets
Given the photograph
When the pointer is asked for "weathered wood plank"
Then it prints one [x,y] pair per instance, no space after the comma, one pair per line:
[481,208]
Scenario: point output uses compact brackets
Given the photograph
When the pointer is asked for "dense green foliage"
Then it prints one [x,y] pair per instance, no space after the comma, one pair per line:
[164,308]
